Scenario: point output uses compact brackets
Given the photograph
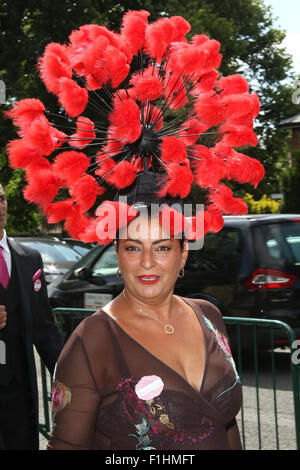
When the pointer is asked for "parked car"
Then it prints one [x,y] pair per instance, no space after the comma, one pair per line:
[58,257]
[250,268]
[79,246]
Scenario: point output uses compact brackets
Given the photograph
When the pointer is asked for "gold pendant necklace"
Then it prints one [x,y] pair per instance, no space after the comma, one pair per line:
[168,328]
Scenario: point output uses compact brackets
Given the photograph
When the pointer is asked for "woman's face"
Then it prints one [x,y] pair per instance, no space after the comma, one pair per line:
[149,259]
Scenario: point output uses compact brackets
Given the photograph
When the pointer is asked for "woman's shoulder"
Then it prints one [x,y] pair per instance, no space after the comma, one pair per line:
[208,309]
[94,327]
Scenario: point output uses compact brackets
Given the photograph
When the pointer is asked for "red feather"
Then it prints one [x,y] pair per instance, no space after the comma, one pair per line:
[58,211]
[232,84]
[39,135]
[158,36]
[222,198]
[126,119]
[176,70]
[113,146]
[245,169]
[92,58]
[37,165]
[24,112]
[181,28]
[106,167]
[213,219]
[116,66]
[69,166]
[72,97]
[174,91]
[42,188]
[206,83]
[221,149]
[89,234]
[54,65]
[123,175]
[147,87]
[255,103]
[84,134]
[199,39]
[209,170]
[187,58]
[246,120]
[209,109]
[59,138]
[179,180]
[76,222]
[133,29]
[239,105]
[85,192]
[191,131]
[21,154]
[238,136]
[212,47]
[173,149]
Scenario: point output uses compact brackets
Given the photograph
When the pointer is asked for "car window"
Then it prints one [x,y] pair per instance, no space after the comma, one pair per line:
[221,251]
[278,244]
[81,249]
[107,264]
[53,252]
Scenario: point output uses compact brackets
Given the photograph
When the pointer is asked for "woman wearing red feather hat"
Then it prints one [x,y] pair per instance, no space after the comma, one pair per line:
[150,370]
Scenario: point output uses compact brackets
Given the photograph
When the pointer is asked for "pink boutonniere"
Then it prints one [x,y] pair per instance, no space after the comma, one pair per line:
[36,280]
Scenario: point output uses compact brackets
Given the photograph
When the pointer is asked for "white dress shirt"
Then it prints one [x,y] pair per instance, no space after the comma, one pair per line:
[6,252]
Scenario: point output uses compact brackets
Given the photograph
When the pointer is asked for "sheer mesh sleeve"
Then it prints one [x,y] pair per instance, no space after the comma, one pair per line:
[75,399]
[233,436]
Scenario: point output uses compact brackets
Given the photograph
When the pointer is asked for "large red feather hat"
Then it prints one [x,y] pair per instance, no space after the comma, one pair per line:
[137,109]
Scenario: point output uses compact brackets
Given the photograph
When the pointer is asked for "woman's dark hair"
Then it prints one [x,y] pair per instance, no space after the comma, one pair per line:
[181,240]
[147,211]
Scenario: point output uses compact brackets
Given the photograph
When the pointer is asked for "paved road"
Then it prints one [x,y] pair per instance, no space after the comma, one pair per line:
[283,400]
[260,405]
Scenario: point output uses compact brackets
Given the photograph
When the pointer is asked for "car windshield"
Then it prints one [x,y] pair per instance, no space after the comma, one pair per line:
[81,249]
[278,245]
[107,264]
[53,252]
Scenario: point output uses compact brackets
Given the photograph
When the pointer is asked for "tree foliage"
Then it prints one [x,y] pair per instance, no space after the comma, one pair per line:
[265,205]
[250,44]
[290,186]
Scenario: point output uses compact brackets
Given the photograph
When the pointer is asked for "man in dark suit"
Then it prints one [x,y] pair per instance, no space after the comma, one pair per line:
[26,320]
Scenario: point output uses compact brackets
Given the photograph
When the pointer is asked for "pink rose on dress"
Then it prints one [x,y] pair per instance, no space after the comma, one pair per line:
[223,343]
[61,396]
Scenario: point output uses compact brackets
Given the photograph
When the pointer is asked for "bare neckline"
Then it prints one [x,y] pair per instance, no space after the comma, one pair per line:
[162,362]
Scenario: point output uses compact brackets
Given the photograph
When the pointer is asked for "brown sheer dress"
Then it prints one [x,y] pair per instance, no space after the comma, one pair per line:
[96,407]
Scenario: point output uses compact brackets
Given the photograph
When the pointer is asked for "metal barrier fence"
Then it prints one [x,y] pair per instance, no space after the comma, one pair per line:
[255,327]
[68,318]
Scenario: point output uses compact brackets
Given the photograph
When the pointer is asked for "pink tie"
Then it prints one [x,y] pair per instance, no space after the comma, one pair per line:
[4,276]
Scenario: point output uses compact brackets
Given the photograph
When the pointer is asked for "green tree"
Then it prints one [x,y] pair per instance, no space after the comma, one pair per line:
[22,217]
[265,205]
[290,186]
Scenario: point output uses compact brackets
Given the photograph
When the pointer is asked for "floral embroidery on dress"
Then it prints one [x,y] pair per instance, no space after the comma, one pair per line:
[61,397]
[143,438]
[151,419]
[224,345]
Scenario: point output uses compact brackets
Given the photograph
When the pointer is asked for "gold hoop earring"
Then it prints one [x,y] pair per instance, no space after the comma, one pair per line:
[118,273]
[182,273]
